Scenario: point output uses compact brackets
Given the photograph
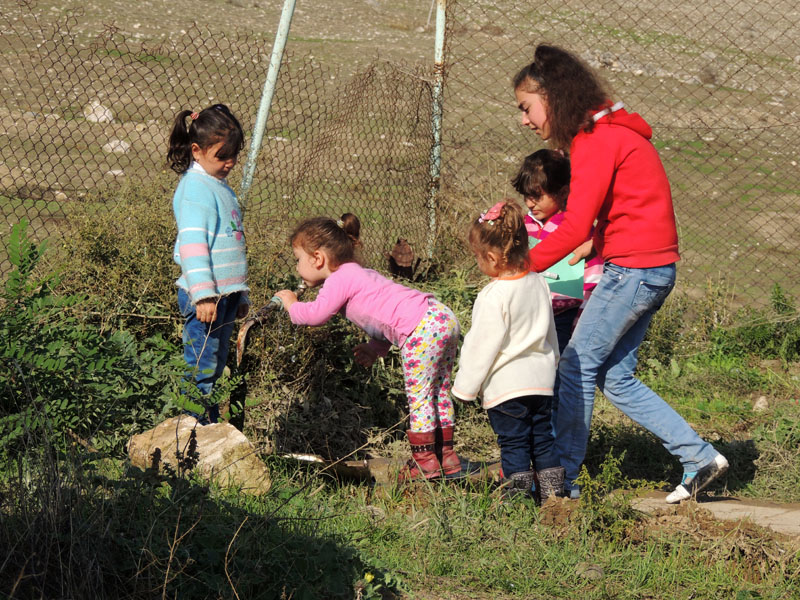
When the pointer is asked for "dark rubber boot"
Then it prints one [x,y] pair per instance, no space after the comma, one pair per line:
[551,483]
[519,485]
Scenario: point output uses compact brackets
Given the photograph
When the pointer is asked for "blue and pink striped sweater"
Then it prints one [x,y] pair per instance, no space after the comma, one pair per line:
[210,245]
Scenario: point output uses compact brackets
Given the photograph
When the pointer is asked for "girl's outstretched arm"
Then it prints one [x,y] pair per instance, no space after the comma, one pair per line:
[288,297]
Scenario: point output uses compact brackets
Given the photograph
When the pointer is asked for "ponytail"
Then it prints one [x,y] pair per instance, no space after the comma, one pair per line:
[208,127]
[339,239]
[502,229]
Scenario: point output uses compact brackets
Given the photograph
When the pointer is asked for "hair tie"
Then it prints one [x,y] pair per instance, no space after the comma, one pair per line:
[194,116]
[340,223]
[490,215]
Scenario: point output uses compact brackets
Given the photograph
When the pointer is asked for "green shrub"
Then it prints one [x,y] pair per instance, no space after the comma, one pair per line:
[606,503]
[768,333]
[118,255]
[65,376]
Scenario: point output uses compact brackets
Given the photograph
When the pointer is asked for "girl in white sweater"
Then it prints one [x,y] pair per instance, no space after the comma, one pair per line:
[510,353]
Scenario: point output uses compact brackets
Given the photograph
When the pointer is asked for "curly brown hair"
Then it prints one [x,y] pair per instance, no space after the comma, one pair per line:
[339,239]
[570,88]
[505,235]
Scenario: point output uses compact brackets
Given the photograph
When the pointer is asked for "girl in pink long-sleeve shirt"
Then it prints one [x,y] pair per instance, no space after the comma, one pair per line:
[425,330]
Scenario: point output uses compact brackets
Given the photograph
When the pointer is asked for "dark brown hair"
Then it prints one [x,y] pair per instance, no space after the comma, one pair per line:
[505,235]
[339,239]
[544,171]
[570,88]
[210,126]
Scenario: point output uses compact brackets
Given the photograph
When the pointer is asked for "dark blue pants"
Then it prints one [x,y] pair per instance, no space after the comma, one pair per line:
[205,345]
[564,321]
[524,433]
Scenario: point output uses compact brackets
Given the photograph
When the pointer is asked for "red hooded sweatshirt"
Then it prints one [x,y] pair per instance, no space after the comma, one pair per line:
[617,178]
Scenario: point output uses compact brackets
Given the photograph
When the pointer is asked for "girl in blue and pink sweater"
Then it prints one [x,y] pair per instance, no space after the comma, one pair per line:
[424,329]
[212,288]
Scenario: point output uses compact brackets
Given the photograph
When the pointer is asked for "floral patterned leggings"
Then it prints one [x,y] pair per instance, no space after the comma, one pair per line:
[429,354]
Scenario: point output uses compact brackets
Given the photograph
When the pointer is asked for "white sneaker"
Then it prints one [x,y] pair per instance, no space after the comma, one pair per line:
[692,483]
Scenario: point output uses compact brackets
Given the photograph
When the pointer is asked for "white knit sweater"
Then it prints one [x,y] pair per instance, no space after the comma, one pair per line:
[511,350]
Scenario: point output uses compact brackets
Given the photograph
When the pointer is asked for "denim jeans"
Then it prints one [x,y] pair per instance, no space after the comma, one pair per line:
[524,433]
[603,352]
[563,322]
[205,345]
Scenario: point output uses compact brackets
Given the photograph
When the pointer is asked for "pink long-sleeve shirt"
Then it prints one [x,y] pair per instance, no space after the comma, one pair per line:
[387,311]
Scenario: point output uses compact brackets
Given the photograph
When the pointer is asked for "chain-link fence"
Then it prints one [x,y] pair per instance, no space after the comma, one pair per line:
[718,81]
[80,115]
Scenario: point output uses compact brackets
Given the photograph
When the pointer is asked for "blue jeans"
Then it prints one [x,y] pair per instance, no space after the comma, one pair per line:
[205,345]
[524,433]
[603,352]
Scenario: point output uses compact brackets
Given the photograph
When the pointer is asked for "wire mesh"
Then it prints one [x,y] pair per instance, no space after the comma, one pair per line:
[78,116]
[718,81]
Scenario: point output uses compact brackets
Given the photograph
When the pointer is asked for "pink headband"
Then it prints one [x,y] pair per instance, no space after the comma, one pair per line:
[491,214]
[194,116]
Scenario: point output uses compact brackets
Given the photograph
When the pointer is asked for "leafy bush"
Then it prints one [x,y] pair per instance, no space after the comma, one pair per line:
[118,256]
[63,375]
[769,333]
[606,504]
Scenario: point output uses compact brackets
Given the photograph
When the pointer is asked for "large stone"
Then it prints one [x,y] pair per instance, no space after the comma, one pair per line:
[219,453]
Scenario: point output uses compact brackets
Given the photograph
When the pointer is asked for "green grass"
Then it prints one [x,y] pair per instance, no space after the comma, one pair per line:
[319,537]
[140,534]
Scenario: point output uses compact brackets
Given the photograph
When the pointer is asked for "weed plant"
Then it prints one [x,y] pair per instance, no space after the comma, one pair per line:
[64,377]
[78,523]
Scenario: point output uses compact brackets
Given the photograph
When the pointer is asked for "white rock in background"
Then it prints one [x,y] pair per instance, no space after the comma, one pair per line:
[761,404]
[61,196]
[115,173]
[97,113]
[116,146]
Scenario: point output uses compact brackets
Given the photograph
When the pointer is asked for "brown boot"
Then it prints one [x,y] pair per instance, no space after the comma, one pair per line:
[423,463]
[451,464]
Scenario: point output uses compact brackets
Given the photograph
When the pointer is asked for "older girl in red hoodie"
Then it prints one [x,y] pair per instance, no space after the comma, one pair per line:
[618,180]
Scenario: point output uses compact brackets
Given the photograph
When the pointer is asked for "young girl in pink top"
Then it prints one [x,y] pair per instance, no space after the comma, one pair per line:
[543,181]
[425,330]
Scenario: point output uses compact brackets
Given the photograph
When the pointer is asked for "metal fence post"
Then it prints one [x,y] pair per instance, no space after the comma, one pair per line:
[266,97]
[436,124]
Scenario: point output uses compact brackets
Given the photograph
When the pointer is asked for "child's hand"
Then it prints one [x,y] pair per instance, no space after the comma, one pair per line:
[365,355]
[287,297]
[206,310]
[585,250]
[242,310]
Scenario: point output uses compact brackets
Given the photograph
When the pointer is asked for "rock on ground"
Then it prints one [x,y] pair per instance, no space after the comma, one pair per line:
[219,452]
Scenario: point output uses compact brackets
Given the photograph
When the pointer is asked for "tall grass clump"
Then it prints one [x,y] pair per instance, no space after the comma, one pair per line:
[771,333]
[117,254]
